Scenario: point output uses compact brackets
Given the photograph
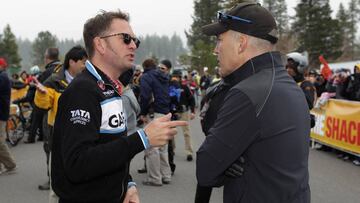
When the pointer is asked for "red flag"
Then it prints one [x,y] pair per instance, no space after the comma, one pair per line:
[325,70]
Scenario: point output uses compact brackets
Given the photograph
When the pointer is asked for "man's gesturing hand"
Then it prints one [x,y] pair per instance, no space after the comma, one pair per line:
[161,130]
[132,196]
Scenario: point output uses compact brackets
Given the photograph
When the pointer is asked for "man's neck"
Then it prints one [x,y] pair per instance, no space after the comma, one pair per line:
[250,55]
[49,61]
[71,72]
[111,72]
[69,76]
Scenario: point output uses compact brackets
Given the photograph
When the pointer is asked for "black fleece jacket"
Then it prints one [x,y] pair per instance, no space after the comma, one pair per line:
[91,150]
[265,119]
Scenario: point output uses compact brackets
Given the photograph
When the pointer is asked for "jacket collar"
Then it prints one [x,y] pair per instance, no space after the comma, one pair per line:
[58,76]
[93,71]
[52,63]
[100,76]
[97,73]
[253,66]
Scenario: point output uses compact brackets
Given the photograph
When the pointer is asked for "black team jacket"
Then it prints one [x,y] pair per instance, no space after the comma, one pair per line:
[91,149]
[264,118]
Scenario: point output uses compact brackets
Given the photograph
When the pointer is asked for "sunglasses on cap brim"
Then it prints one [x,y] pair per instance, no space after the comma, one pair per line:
[224,18]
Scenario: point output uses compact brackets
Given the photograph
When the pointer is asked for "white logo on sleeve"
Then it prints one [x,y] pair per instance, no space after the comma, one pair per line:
[80,116]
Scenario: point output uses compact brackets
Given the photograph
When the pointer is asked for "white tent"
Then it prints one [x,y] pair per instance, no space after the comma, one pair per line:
[343,65]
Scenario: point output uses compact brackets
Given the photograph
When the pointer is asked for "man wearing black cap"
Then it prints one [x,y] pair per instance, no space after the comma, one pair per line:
[257,119]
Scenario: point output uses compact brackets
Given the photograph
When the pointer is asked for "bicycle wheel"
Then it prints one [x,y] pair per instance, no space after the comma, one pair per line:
[14,131]
[21,129]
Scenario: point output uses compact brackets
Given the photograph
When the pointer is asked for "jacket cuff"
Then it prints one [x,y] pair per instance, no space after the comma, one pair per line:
[130,184]
[136,142]
[144,138]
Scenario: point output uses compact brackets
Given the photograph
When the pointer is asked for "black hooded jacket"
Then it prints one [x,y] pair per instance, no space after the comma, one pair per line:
[49,69]
[353,87]
[154,85]
[5,93]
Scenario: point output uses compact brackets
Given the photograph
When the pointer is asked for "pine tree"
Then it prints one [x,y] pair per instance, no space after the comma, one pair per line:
[316,31]
[10,50]
[279,10]
[354,17]
[24,51]
[177,48]
[232,3]
[1,46]
[43,41]
[202,46]
[344,21]
[357,45]
[162,47]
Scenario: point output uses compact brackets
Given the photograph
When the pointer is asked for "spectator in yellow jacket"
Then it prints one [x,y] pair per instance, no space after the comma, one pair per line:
[47,94]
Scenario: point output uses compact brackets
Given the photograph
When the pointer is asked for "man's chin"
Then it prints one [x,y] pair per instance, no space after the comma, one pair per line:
[129,65]
[221,73]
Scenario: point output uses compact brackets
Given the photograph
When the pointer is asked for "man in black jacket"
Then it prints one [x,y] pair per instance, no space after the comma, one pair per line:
[210,105]
[353,84]
[257,119]
[91,150]
[297,67]
[6,158]
[51,61]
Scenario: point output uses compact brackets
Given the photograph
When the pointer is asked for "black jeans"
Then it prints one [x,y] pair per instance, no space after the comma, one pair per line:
[36,123]
[171,154]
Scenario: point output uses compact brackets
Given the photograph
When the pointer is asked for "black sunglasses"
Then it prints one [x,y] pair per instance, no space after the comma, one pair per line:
[126,38]
[222,17]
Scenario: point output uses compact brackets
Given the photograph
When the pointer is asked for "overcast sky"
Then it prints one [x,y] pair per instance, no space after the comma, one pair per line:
[65,18]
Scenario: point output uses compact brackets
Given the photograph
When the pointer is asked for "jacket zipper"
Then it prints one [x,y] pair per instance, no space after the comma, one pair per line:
[122,182]
[126,169]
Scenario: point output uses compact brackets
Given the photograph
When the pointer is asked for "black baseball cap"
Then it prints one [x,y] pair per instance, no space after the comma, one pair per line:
[248,18]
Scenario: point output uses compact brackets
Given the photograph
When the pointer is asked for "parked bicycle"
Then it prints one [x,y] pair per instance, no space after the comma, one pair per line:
[17,123]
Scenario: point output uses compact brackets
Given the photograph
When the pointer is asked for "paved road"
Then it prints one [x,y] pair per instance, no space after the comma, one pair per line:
[332,180]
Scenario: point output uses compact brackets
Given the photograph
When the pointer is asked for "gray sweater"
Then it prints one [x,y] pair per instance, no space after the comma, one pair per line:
[132,109]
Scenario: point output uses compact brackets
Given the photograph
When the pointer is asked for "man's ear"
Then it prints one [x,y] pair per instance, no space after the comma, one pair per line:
[71,62]
[243,41]
[99,45]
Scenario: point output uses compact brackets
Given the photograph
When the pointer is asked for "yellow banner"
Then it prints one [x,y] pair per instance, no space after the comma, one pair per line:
[338,125]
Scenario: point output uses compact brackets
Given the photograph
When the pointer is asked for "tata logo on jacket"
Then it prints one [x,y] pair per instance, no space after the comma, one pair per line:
[117,120]
[79,116]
